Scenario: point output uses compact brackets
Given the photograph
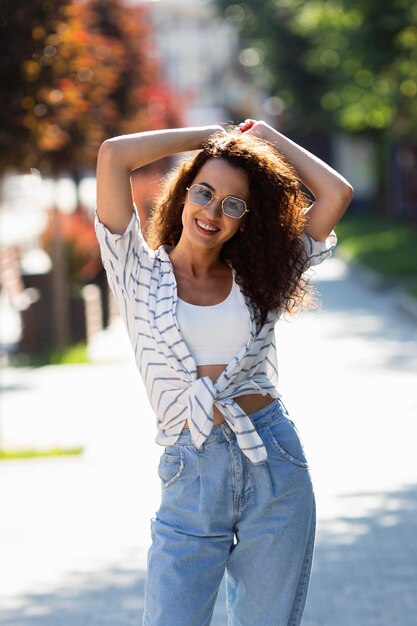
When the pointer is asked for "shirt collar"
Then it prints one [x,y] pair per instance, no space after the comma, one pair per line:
[161,253]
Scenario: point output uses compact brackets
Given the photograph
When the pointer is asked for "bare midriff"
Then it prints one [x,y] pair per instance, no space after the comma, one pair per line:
[249,403]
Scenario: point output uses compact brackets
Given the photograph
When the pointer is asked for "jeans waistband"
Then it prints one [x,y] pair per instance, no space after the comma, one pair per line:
[260,418]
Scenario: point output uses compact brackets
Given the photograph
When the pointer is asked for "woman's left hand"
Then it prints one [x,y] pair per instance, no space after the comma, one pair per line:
[246,125]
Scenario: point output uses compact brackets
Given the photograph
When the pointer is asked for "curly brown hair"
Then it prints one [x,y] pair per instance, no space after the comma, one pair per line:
[268,255]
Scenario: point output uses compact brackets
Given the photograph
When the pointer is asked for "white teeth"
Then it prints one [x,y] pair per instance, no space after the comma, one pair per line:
[206,226]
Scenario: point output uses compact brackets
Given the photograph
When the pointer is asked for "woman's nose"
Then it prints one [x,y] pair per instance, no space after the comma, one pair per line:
[215,206]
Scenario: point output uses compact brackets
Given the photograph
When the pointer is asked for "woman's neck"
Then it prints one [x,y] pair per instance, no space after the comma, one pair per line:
[197,262]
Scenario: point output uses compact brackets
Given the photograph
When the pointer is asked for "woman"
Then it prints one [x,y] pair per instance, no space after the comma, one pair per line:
[227,247]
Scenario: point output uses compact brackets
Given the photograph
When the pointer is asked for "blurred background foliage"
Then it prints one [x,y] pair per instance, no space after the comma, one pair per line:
[349,65]
[337,76]
[81,250]
[336,65]
[73,74]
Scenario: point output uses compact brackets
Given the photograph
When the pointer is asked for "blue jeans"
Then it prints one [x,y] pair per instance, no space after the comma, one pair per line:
[220,512]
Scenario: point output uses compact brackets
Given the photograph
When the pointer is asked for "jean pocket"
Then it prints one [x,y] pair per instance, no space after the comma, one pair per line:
[171,465]
[286,441]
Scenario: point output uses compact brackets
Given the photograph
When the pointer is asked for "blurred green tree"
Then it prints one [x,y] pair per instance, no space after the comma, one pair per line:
[368,52]
[274,57]
[338,64]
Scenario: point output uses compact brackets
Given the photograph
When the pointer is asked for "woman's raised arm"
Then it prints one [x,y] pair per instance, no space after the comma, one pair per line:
[119,156]
[331,191]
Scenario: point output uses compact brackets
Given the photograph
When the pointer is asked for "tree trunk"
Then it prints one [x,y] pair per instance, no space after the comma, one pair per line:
[382,151]
[61,321]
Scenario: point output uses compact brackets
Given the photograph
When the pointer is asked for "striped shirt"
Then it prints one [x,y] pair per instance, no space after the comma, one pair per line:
[143,283]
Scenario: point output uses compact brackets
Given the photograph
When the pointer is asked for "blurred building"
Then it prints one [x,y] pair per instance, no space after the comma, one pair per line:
[198,53]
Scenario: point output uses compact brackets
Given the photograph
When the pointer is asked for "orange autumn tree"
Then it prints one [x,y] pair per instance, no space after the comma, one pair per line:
[73,74]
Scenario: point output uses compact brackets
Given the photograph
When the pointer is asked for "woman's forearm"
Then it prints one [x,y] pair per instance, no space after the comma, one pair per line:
[138,149]
[314,173]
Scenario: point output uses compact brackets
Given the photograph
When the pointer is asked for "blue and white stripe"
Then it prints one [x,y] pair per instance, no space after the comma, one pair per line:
[143,283]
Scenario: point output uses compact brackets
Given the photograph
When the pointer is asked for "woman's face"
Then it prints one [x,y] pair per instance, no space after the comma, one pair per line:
[223,180]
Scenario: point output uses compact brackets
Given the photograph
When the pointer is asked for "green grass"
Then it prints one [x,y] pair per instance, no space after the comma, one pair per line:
[389,248]
[77,353]
[7,455]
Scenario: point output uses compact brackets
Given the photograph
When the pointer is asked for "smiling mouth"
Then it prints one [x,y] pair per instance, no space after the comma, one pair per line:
[206,228]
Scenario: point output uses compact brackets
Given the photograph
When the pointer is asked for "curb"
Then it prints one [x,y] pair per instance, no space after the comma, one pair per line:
[367,276]
[408,304]
[375,281]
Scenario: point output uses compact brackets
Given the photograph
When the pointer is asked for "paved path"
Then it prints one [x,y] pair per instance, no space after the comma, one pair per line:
[74,532]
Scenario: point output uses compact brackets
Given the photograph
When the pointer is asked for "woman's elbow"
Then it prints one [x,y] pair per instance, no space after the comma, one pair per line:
[344,189]
[345,194]
[111,153]
[348,191]
[107,149]
[104,154]
[348,195]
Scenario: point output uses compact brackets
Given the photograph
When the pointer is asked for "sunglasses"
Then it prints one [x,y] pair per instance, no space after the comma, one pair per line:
[231,206]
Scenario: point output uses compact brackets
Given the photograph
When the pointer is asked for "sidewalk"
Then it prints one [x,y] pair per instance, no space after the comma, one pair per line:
[74,532]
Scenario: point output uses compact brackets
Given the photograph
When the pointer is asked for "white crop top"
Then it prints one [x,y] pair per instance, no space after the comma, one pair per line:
[214,334]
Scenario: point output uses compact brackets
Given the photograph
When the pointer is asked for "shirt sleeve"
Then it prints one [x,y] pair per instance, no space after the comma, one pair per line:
[122,255]
[318,251]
